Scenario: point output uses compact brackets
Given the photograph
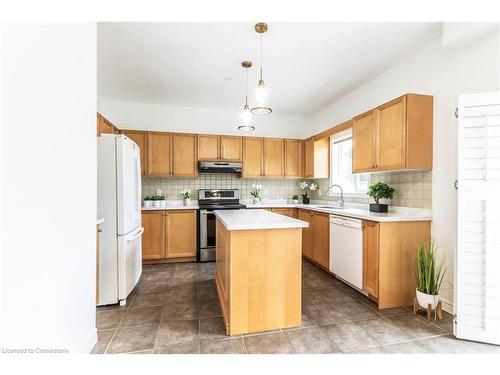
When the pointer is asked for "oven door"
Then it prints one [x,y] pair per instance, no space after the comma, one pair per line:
[207,236]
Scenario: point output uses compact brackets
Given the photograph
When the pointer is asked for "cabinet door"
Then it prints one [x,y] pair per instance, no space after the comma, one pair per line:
[363,143]
[391,135]
[181,234]
[253,157]
[306,233]
[274,157]
[140,138]
[293,158]
[153,238]
[105,127]
[321,239]
[208,147]
[230,148]
[290,212]
[159,154]
[184,155]
[370,257]
[309,158]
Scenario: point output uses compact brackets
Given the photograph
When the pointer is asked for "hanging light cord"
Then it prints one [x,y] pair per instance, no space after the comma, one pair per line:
[246,87]
[261,60]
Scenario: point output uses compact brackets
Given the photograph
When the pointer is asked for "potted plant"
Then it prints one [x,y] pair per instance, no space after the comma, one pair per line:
[158,201]
[186,196]
[429,274]
[304,186]
[295,199]
[378,191]
[255,193]
[147,201]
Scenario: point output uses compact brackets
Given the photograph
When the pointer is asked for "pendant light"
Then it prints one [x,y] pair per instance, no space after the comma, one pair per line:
[261,93]
[246,115]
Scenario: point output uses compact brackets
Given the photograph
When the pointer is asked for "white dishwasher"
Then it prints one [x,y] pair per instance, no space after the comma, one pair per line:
[346,249]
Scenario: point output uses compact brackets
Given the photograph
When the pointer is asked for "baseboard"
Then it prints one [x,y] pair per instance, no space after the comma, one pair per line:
[447,306]
[91,342]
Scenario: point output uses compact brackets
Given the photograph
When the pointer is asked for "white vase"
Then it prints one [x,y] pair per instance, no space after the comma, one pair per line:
[187,202]
[295,201]
[424,299]
[163,203]
[156,204]
[256,200]
[147,204]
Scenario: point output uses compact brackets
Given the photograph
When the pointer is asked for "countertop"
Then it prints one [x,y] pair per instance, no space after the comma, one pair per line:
[174,205]
[358,211]
[257,219]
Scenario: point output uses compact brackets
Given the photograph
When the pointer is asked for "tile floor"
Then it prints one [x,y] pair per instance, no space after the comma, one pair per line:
[174,310]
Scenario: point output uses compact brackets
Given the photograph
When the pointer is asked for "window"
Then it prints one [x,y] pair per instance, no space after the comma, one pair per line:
[341,165]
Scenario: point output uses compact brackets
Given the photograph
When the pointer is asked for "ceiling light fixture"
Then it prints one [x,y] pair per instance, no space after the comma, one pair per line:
[261,93]
[246,115]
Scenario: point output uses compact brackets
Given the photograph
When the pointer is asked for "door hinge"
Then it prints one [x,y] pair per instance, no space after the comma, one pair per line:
[455,184]
[456,112]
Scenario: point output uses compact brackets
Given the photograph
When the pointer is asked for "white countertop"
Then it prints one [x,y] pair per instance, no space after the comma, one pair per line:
[257,219]
[359,211]
[174,205]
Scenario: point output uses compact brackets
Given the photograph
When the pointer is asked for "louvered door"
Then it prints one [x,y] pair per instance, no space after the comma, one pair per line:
[477,275]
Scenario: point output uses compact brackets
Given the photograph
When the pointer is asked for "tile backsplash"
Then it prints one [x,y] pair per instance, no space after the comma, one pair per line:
[412,189]
[271,189]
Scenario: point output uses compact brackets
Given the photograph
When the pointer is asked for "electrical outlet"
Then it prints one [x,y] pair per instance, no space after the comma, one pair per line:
[158,191]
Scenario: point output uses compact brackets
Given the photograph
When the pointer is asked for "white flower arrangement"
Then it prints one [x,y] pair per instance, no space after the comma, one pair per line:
[303,185]
[313,186]
[186,194]
[255,191]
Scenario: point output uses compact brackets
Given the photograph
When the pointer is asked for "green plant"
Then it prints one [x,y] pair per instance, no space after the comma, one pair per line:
[255,191]
[147,198]
[429,274]
[295,196]
[186,194]
[157,198]
[380,190]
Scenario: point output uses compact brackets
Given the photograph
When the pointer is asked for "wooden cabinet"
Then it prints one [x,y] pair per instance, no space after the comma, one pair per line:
[184,161]
[395,136]
[141,139]
[253,158]
[307,239]
[181,234]
[316,238]
[273,158]
[293,158]
[153,238]
[291,212]
[104,126]
[231,148]
[172,154]
[370,257]
[159,154]
[321,239]
[363,135]
[220,147]
[169,234]
[317,158]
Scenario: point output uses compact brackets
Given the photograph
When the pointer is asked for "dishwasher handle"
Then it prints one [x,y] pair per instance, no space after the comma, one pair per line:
[347,222]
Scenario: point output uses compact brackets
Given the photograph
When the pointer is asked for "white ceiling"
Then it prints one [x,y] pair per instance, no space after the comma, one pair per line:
[306,65]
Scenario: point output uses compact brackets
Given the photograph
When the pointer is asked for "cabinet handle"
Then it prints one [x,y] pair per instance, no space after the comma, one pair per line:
[99,230]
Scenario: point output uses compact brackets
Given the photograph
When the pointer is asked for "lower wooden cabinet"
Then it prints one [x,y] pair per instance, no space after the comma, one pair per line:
[169,234]
[321,239]
[307,244]
[370,257]
[291,212]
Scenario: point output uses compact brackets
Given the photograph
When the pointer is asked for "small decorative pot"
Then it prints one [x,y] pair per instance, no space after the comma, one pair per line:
[256,200]
[424,299]
[295,201]
[148,204]
[187,202]
[306,200]
[156,204]
[378,207]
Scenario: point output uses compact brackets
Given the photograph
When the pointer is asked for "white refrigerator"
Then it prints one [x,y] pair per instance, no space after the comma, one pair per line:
[119,203]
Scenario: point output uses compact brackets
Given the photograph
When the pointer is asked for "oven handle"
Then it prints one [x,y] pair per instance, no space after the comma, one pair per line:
[203,228]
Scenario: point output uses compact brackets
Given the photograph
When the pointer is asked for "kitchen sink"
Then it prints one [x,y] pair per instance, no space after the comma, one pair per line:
[330,207]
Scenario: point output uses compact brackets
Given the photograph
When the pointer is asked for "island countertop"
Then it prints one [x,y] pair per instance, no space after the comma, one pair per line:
[256,219]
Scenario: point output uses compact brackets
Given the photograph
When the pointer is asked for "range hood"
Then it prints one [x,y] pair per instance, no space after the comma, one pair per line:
[219,167]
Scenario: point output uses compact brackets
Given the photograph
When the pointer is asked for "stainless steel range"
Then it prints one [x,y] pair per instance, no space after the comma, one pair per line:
[210,200]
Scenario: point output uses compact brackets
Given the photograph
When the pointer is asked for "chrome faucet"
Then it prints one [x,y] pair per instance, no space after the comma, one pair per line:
[340,201]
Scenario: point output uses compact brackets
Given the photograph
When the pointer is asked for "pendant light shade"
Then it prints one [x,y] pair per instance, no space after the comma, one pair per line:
[261,94]
[246,114]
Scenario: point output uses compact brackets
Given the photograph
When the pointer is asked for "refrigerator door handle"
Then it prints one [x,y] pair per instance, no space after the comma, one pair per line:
[136,236]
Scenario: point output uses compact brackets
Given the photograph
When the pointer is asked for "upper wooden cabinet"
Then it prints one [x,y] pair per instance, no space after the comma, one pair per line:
[220,147]
[184,155]
[274,157]
[253,158]
[394,136]
[159,154]
[104,126]
[171,154]
[317,158]
[231,148]
[141,139]
[293,158]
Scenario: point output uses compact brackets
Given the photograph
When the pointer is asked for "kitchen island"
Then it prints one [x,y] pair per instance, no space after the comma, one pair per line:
[258,270]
